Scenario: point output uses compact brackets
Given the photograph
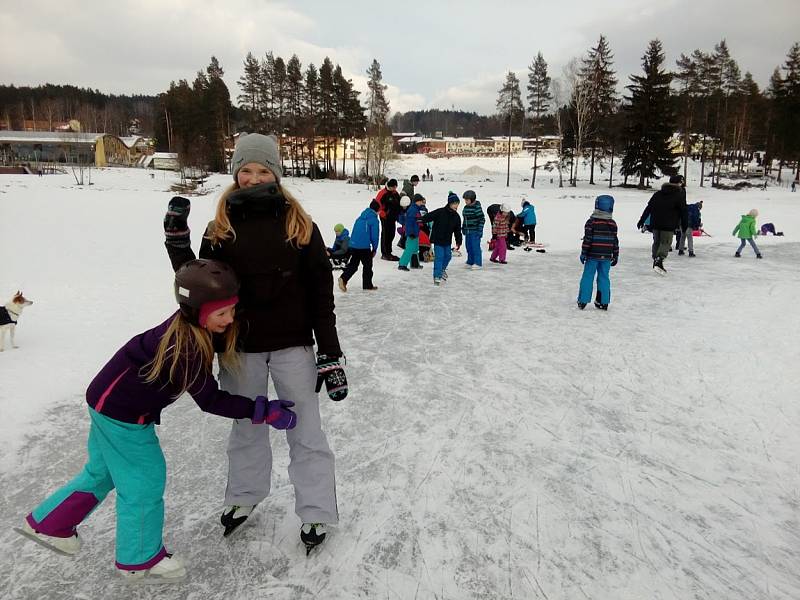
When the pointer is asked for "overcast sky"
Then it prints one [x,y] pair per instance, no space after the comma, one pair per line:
[432,53]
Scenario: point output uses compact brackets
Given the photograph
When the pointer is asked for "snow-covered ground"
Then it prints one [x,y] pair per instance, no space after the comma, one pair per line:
[496,442]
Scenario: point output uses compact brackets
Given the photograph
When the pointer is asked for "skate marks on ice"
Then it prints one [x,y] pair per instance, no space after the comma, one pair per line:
[498,443]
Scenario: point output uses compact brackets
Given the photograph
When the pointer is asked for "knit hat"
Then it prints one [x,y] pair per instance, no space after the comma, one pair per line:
[525,203]
[375,205]
[391,183]
[452,198]
[676,179]
[753,213]
[504,208]
[418,197]
[211,307]
[470,195]
[257,148]
[338,228]
[605,203]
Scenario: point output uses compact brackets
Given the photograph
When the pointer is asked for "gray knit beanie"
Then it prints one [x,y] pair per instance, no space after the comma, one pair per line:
[257,148]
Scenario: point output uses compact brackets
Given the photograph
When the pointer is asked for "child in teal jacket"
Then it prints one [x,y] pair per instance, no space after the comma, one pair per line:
[746,231]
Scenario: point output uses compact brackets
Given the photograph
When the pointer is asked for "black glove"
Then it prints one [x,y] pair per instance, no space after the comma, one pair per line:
[614,262]
[330,371]
[176,226]
[639,225]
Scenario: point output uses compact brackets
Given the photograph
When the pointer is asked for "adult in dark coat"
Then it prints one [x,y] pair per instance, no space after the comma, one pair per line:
[667,212]
[389,201]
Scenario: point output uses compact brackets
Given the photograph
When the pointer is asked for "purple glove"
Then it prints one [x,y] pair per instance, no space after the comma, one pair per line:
[274,412]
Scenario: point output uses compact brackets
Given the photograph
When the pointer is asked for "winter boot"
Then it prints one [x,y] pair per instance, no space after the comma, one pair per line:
[234,516]
[581,305]
[312,535]
[601,306]
[681,252]
[444,275]
[68,546]
[692,254]
[658,266]
[737,255]
[169,569]
[759,256]
[402,268]
[437,282]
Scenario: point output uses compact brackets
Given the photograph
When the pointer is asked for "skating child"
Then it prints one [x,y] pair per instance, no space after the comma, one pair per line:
[746,231]
[125,402]
[363,246]
[499,235]
[412,231]
[445,224]
[528,217]
[473,229]
[599,252]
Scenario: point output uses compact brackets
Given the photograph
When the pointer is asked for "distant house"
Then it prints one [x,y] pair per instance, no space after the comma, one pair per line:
[163,161]
[99,149]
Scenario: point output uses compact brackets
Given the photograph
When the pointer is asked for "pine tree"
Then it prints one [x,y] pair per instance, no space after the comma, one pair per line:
[249,84]
[538,101]
[311,108]
[787,104]
[377,128]
[266,94]
[509,107]
[294,103]
[650,119]
[597,75]
[327,109]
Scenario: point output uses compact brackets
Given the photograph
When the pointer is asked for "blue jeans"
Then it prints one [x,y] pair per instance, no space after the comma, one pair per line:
[752,243]
[590,268]
[441,258]
[473,243]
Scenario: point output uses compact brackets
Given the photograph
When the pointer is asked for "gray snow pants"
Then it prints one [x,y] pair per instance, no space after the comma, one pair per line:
[311,462]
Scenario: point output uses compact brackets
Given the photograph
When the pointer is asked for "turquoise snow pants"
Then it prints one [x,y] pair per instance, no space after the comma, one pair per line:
[125,456]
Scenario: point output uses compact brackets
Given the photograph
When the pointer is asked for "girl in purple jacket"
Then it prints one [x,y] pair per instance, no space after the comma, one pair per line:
[125,401]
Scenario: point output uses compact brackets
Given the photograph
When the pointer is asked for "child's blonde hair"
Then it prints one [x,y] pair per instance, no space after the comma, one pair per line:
[185,345]
[298,222]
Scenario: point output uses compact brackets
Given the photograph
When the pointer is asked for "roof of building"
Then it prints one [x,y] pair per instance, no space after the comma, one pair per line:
[49,137]
[131,140]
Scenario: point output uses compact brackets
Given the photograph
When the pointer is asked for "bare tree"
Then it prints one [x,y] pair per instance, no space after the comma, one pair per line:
[580,102]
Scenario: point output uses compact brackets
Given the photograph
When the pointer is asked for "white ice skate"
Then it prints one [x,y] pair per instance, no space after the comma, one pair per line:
[169,569]
[68,546]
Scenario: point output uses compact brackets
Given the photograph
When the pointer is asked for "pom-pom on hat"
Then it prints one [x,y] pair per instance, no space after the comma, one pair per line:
[604,202]
[257,148]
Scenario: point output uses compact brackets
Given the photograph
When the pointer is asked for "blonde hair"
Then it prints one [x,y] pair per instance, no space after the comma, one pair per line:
[298,222]
[185,344]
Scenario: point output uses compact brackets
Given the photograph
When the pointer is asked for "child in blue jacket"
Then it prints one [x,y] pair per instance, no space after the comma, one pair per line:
[528,218]
[599,252]
[363,245]
[125,402]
